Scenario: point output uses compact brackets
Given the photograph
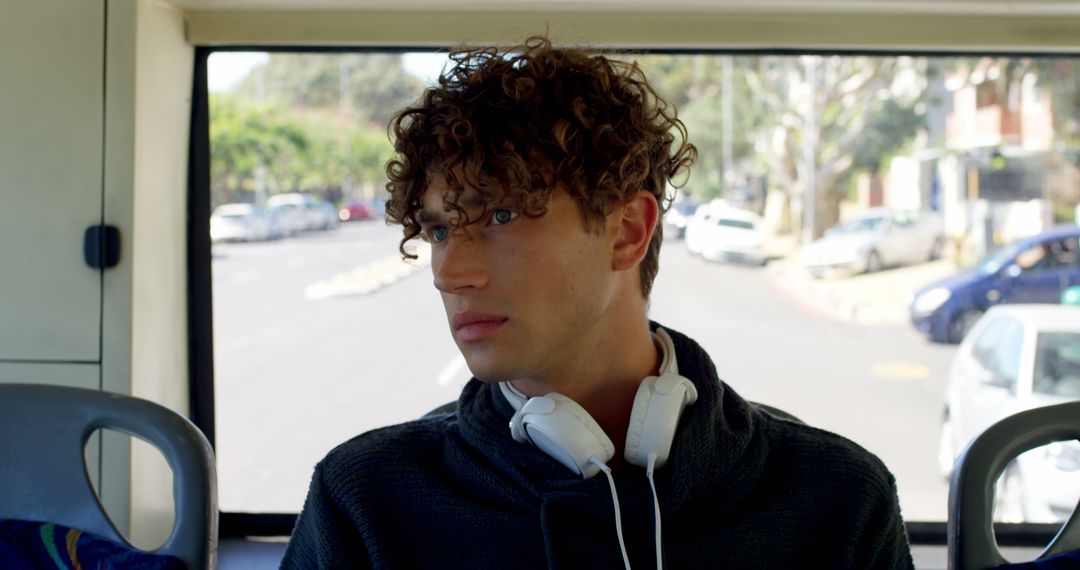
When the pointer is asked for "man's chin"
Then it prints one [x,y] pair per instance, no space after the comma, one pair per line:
[487,377]
[486,371]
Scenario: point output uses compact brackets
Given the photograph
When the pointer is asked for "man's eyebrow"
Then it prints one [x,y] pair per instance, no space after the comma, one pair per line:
[472,202]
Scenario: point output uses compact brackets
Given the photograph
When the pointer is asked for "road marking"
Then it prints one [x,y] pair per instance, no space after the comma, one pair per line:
[900,370]
[451,371]
[369,278]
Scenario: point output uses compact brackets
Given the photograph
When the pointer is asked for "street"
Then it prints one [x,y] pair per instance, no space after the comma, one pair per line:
[324,336]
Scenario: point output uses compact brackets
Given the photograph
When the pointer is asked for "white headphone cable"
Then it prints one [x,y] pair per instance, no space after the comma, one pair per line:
[615,501]
[656,511]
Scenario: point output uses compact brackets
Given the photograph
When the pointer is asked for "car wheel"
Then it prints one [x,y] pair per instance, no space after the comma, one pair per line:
[946,449]
[1009,496]
[873,262]
[962,323]
[935,250]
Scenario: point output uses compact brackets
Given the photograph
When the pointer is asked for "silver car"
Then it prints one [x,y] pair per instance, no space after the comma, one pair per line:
[240,222]
[876,239]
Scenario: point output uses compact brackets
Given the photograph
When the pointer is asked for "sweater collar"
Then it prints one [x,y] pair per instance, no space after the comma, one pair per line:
[718,453]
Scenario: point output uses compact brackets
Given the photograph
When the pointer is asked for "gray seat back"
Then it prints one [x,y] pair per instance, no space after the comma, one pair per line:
[971,494]
[43,434]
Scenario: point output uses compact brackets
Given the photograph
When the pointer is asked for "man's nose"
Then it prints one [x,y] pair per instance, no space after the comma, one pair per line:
[460,265]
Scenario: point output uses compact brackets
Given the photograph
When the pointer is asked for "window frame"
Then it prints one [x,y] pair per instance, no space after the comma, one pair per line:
[199,281]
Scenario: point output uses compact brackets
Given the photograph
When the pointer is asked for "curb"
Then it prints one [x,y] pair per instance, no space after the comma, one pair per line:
[880,298]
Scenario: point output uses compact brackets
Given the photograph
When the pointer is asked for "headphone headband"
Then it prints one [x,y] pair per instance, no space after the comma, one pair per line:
[565,431]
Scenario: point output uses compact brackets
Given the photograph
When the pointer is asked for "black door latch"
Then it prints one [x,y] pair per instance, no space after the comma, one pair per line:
[101,246]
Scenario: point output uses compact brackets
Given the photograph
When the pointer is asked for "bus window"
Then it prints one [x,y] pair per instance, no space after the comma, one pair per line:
[322,331]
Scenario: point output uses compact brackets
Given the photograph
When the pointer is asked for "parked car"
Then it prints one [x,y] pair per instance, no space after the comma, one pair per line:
[676,218]
[289,216]
[328,215]
[299,212]
[241,222]
[355,211]
[877,238]
[1032,270]
[719,232]
[1018,357]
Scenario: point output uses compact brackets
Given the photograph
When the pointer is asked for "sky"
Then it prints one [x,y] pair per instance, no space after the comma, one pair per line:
[226,69]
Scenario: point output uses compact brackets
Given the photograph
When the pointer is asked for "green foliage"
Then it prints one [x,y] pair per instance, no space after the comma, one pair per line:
[694,84]
[705,123]
[309,122]
[367,88]
[889,127]
[313,151]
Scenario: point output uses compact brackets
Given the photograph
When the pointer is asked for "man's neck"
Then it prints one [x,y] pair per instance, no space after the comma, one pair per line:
[604,379]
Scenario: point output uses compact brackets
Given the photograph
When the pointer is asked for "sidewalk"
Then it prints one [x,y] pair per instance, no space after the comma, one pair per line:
[880,298]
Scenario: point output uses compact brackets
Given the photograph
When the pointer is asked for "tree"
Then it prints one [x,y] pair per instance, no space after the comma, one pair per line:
[695,86]
[366,154]
[243,137]
[368,88]
[851,110]
[311,151]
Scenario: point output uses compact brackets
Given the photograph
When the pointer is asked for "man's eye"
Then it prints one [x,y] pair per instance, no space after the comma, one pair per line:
[501,216]
[437,233]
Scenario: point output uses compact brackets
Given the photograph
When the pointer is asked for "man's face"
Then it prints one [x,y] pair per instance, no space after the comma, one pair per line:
[524,296]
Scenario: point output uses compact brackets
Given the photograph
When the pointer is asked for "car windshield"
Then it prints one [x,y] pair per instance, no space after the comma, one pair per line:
[858,225]
[996,259]
[740,224]
[684,208]
[1057,364]
[231,212]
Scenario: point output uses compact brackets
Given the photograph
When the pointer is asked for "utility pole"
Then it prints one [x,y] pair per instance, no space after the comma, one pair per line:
[344,100]
[810,150]
[726,97]
[260,168]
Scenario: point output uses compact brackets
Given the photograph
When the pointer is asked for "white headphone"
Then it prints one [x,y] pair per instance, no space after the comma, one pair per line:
[565,431]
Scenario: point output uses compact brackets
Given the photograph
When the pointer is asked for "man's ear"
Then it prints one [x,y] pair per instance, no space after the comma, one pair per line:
[636,220]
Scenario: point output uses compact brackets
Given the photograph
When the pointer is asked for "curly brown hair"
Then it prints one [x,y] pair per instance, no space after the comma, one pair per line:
[514,125]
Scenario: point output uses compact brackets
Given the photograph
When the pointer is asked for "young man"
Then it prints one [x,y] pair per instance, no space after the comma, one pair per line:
[588,437]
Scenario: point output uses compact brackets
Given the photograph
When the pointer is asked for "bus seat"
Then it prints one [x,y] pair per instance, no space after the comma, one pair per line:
[971,542]
[43,434]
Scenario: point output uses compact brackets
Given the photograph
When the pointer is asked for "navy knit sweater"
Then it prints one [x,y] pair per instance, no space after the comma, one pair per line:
[741,489]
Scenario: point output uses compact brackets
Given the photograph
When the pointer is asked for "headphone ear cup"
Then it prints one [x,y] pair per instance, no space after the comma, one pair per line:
[565,431]
[658,405]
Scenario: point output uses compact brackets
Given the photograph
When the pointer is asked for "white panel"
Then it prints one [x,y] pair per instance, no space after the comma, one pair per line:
[159,367]
[51,65]
[73,375]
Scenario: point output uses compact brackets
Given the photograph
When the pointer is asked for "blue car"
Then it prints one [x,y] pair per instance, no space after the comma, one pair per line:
[1031,270]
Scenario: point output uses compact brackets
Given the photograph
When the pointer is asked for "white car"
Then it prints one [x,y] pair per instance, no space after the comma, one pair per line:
[1015,358]
[240,222]
[877,238]
[302,212]
[720,232]
[677,218]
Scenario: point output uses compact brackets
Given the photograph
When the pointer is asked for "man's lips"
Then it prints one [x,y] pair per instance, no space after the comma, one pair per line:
[472,325]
